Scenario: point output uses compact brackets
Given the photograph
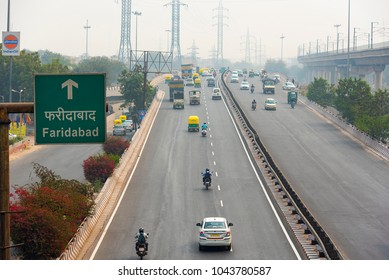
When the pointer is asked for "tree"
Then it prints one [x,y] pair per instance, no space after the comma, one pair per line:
[50,212]
[131,87]
[380,103]
[101,64]
[321,92]
[353,98]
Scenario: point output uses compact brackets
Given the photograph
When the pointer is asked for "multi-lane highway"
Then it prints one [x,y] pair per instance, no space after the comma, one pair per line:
[343,184]
[166,197]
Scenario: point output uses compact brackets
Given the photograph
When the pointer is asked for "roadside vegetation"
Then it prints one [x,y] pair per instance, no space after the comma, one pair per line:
[355,101]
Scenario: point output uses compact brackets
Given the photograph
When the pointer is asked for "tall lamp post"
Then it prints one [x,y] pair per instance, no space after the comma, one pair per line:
[348,42]
[136,13]
[86,47]
[167,39]
[282,45]
[372,31]
[337,36]
[20,93]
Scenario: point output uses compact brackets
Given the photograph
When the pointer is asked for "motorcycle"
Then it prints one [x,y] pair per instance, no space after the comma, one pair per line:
[141,252]
[252,90]
[292,104]
[254,106]
[207,183]
[204,132]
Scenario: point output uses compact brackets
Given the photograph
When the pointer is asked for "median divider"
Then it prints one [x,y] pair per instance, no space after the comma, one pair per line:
[113,187]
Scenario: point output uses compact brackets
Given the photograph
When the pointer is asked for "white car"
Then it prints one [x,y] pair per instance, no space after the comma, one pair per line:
[215,231]
[216,94]
[234,78]
[245,85]
[270,104]
[189,82]
[288,86]
[128,125]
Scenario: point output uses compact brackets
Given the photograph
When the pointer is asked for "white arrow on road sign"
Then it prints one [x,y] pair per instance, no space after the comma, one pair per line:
[70,84]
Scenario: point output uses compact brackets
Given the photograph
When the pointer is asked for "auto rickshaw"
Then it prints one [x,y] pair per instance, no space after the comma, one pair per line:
[292,96]
[195,76]
[117,122]
[197,83]
[193,123]
[123,118]
[168,78]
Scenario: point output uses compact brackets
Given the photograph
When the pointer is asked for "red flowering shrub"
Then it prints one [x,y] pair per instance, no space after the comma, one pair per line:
[98,168]
[115,145]
[51,214]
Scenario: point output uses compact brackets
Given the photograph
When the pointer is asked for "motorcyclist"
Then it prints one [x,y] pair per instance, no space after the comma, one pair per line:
[141,238]
[207,175]
[204,126]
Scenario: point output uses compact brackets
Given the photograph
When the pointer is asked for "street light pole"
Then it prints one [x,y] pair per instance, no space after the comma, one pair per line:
[86,27]
[136,13]
[337,36]
[348,42]
[355,38]
[20,93]
[282,45]
[167,39]
[372,31]
[10,58]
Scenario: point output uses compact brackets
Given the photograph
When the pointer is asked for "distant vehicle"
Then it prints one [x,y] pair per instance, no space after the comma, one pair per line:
[245,85]
[288,86]
[216,94]
[205,73]
[240,73]
[234,78]
[268,86]
[211,82]
[194,97]
[119,130]
[189,82]
[215,231]
[270,104]
[128,125]
[234,73]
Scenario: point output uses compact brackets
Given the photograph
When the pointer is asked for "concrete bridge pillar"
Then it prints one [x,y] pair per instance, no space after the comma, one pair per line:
[378,69]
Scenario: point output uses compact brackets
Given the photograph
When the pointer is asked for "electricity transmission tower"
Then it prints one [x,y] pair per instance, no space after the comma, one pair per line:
[175,46]
[194,53]
[248,47]
[220,25]
[125,35]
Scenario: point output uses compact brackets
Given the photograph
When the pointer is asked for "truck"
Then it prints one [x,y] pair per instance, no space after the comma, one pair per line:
[178,99]
[268,86]
[186,71]
[175,85]
[194,97]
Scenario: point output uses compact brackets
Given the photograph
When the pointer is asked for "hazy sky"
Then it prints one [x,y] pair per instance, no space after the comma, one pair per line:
[58,25]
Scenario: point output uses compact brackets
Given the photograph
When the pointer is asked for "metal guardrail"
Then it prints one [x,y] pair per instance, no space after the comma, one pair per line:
[329,249]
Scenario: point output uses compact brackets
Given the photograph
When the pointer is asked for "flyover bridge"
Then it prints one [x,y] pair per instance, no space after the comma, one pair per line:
[361,61]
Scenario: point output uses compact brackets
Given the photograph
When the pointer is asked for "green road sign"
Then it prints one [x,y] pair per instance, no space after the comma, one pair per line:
[70,109]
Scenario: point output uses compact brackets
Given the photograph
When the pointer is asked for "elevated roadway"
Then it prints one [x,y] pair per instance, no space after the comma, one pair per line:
[343,183]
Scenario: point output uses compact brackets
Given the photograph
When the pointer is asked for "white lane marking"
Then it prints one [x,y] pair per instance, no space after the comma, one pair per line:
[216,174]
[221,203]
[211,144]
[263,187]
[213,153]
[218,187]
[210,135]
[125,189]
[214,163]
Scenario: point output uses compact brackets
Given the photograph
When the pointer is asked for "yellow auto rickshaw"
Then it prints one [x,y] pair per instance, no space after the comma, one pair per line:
[168,78]
[117,122]
[197,83]
[193,123]
[123,118]
[195,76]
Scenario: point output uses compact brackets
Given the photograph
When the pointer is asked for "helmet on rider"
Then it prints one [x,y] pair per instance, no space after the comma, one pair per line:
[206,170]
[254,101]
[141,230]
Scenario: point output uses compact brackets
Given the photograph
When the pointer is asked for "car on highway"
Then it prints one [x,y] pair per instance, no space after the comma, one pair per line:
[216,94]
[245,85]
[234,78]
[128,125]
[189,82]
[211,82]
[119,130]
[270,104]
[288,86]
[215,231]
